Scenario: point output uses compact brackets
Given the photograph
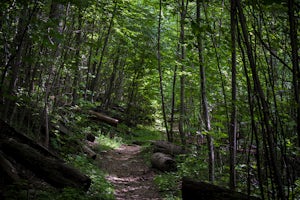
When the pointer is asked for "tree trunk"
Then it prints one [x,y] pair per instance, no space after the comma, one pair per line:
[97,76]
[109,91]
[160,72]
[233,121]
[171,132]
[204,103]
[295,62]
[182,77]
[77,61]
[268,134]
[253,122]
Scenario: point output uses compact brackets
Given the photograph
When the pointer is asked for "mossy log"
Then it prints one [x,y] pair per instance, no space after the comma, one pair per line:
[92,154]
[6,131]
[163,162]
[87,150]
[167,148]
[8,171]
[37,159]
[104,118]
[194,190]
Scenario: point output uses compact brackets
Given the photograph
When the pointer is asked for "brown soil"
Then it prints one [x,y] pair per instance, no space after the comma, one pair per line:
[129,174]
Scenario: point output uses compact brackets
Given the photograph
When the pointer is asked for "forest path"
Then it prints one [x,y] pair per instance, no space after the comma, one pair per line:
[128,172]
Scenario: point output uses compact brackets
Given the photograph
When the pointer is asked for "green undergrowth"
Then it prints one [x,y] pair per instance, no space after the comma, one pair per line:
[100,187]
[142,135]
[190,165]
[79,124]
[169,185]
[107,138]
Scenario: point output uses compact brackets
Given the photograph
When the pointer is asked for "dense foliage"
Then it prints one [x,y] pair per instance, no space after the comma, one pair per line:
[221,77]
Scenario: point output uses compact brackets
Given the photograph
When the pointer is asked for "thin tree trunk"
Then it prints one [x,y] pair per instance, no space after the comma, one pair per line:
[215,45]
[18,40]
[205,111]
[182,77]
[55,14]
[265,108]
[109,91]
[173,102]
[233,121]
[97,76]
[295,62]
[160,72]
[77,61]
[253,124]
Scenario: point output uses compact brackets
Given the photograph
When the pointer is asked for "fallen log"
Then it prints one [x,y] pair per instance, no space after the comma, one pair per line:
[89,152]
[104,118]
[194,190]
[9,173]
[163,162]
[62,128]
[53,171]
[7,131]
[167,148]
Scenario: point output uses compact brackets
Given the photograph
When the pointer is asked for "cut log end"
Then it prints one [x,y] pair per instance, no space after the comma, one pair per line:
[163,162]
[167,148]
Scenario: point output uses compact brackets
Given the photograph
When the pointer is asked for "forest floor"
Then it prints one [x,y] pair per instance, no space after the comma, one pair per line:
[129,174]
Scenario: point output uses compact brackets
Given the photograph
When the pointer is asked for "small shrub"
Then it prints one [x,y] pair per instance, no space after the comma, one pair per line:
[168,184]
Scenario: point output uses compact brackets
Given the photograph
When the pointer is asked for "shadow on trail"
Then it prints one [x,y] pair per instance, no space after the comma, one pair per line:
[129,174]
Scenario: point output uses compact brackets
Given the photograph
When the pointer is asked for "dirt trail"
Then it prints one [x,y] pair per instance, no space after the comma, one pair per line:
[129,174]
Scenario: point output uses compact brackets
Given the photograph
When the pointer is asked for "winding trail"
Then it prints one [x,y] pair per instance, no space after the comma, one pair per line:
[129,174]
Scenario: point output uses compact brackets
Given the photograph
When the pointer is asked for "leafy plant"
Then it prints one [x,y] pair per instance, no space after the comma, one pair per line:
[100,188]
[168,183]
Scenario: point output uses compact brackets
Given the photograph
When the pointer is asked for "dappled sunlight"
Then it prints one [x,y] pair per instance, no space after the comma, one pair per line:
[127,172]
[128,185]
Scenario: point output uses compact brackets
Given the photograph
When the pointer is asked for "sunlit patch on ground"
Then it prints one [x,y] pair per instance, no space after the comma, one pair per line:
[129,174]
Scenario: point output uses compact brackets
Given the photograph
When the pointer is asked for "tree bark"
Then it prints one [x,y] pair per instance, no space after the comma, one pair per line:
[39,160]
[182,77]
[160,72]
[167,148]
[233,121]
[97,76]
[295,62]
[253,122]
[77,61]
[104,118]
[268,134]
[53,171]
[204,103]
[9,173]
[89,152]
[192,190]
[171,132]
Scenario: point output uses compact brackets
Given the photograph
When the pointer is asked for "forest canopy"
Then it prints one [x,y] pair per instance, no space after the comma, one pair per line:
[220,75]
